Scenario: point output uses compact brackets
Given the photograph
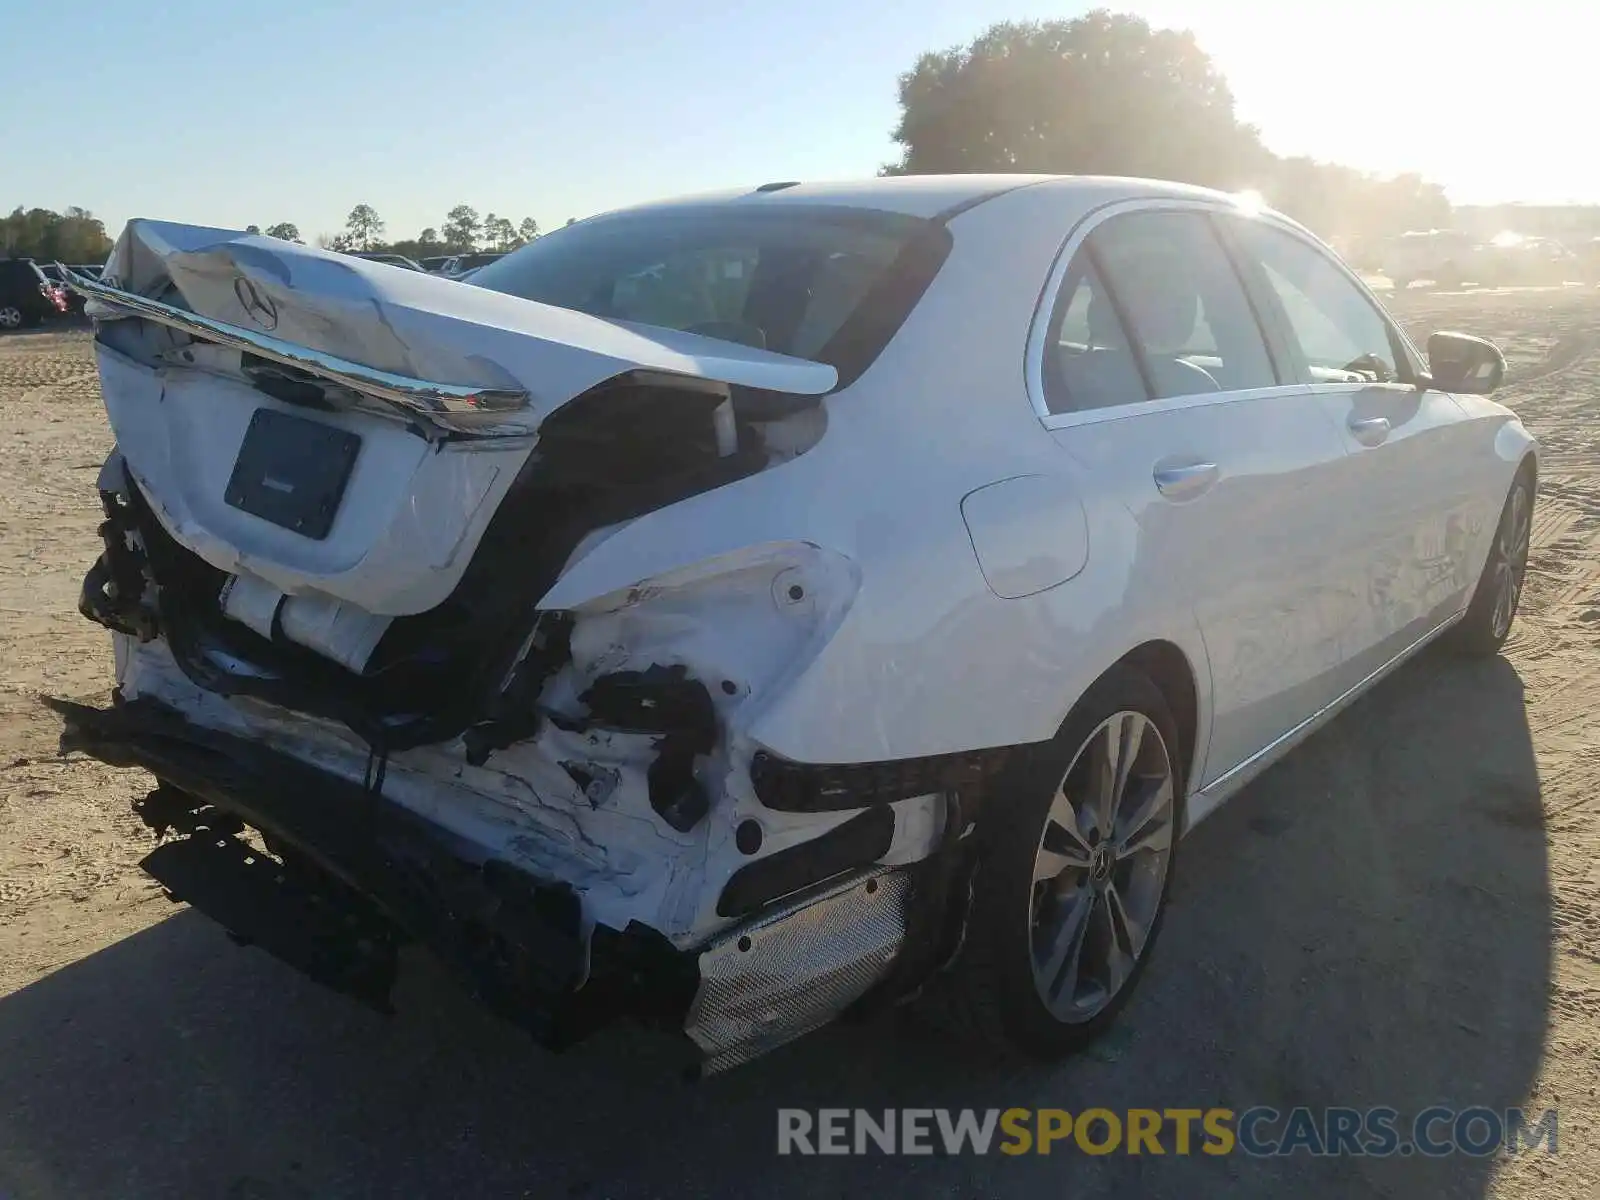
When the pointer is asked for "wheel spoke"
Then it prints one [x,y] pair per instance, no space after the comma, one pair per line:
[1148,826]
[1070,839]
[1125,942]
[1063,846]
[1130,929]
[1102,782]
[1058,973]
[1130,736]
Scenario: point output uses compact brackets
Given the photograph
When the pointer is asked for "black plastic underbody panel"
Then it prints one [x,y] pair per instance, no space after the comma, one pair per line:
[293,471]
[858,842]
[335,939]
[352,874]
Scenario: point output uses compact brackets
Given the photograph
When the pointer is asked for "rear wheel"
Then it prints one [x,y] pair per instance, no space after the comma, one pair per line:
[1483,631]
[10,316]
[1071,881]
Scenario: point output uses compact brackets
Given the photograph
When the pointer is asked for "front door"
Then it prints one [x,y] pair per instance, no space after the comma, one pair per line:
[1407,532]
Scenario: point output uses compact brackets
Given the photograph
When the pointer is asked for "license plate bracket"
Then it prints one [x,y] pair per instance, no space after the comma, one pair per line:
[292,471]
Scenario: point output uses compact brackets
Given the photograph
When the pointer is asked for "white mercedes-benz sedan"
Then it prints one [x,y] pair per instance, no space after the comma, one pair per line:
[729,612]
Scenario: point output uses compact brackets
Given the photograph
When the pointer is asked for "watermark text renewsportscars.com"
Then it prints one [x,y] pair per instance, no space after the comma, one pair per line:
[1257,1132]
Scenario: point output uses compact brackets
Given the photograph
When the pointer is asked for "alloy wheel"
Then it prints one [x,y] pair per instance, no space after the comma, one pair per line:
[1510,559]
[1100,872]
[10,316]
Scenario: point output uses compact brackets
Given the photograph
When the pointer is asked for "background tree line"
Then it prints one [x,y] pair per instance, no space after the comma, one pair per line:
[1105,94]
[75,236]
[462,231]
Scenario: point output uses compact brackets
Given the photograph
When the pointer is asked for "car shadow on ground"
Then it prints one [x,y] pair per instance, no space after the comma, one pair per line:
[1368,924]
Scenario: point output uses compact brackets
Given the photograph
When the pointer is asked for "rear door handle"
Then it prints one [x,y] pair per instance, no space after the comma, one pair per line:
[1187,481]
[1370,431]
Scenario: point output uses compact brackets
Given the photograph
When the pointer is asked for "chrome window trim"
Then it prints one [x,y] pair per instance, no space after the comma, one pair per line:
[1044,312]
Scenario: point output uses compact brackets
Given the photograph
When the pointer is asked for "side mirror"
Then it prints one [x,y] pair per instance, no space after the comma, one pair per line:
[1459,362]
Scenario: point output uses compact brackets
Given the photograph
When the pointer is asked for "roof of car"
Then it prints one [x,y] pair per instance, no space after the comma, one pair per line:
[922,195]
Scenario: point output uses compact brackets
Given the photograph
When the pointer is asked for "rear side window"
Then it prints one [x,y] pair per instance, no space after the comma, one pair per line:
[827,284]
[1340,335]
[1086,364]
[1152,307]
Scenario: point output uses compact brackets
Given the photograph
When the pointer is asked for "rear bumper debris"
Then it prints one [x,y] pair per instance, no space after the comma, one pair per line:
[348,876]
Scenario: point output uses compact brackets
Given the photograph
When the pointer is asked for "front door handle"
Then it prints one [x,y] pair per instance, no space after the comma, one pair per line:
[1187,481]
[1370,431]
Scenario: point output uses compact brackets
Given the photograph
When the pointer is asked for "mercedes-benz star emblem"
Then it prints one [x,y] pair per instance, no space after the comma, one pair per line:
[1100,863]
[258,307]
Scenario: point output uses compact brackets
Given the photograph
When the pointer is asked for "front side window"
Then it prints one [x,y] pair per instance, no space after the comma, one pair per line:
[813,282]
[1340,335]
[1152,308]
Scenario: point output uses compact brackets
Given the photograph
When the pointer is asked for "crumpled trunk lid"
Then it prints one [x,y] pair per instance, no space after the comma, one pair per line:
[424,326]
[221,352]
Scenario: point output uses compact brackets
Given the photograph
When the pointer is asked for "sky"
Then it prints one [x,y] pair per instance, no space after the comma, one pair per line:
[230,114]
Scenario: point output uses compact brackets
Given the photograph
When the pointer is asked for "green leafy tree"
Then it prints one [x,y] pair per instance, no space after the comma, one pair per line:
[1100,94]
[364,227]
[461,228]
[252,229]
[286,231]
[528,229]
[76,236]
[500,233]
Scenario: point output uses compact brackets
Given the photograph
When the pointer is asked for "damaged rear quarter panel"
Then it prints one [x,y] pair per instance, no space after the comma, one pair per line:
[928,660]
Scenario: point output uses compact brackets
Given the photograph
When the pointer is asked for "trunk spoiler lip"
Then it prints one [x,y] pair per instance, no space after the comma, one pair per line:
[460,407]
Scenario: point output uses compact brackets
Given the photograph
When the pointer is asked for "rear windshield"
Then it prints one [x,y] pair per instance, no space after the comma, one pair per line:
[826,284]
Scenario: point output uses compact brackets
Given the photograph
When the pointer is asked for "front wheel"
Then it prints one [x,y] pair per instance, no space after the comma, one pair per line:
[1071,878]
[10,316]
[1487,625]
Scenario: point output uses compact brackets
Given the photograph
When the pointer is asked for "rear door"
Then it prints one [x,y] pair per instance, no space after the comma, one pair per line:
[1157,379]
[1404,530]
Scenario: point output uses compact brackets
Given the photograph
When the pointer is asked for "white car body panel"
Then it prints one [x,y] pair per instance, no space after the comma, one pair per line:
[1029,533]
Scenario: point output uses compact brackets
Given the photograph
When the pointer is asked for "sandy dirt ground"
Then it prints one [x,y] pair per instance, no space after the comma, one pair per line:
[1402,913]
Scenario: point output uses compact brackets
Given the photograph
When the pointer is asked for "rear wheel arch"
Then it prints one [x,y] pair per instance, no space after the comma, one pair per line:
[1169,668]
[1528,469]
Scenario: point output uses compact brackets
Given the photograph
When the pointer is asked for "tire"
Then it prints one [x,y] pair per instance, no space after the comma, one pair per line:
[10,317]
[998,991]
[1487,625]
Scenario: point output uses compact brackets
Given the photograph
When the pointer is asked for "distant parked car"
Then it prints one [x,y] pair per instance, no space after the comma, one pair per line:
[434,263]
[1444,257]
[27,294]
[458,265]
[1513,259]
[394,260]
[1451,257]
